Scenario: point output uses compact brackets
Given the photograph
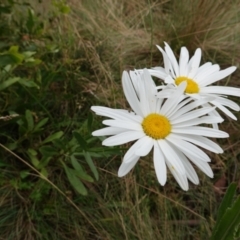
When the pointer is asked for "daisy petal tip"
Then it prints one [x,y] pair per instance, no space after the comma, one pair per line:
[106,143]
[93,108]
[185,188]
[120,174]
[94,133]
[162,181]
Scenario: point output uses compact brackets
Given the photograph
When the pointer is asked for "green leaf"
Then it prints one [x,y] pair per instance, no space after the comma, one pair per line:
[29,118]
[80,140]
[28,54]
[13,49]
[30,21]
[79,170]
[52,137]
[44,172]
[32,154]
[32,62]
[24,174]
[28,83]
[12,146]
[91,164]
[229,223]
[40,124]
[44,162]
[48,151]
[227,200]
[9,82]
[75,182]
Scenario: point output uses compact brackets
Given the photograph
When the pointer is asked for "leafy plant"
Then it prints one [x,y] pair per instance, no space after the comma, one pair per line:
[228,217]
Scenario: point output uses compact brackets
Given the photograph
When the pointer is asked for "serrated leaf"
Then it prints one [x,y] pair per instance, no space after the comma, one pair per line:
[9,82]
[29,118]
[80,140]
[79,170]
[52,137]
[91,164]
[75,182]
[48,151]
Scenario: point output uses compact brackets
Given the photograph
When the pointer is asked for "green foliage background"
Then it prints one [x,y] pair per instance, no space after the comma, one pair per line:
[57,59]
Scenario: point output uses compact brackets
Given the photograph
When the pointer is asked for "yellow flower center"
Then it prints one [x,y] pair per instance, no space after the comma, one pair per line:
[156,126]
[192,86]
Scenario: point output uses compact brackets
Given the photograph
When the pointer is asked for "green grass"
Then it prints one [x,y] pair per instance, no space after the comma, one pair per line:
[83,54]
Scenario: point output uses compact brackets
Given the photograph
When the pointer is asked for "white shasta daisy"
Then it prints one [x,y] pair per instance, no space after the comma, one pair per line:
[168,125]
[198,78]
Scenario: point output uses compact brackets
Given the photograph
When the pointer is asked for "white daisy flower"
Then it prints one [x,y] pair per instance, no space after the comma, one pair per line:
[198,78]
[169,126]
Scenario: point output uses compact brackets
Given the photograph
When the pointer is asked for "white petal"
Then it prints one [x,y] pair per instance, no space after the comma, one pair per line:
[180,105]
[135,77]
[172,102]
[167,63]
[108,131]
[200,141]
[204,131]
[131,151]
[172,58]
[203,68]
[228,103]
[118,114]
[197,121]
[183,60]
[190,171]
[222,90]
[150,91]
[125,168]
[224,109]
[188,147]
[191,115]
[159,73]
[212,78]
[145,148]
[214,113]
[178,112]
[205,72]
[122,138]
[180,178]
[123,124]
[204,166]
[171,156]
[169,80]
[159,164]
[195,63]
[130,93]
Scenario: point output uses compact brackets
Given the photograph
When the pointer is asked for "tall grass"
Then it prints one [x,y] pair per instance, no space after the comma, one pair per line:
[83,55]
